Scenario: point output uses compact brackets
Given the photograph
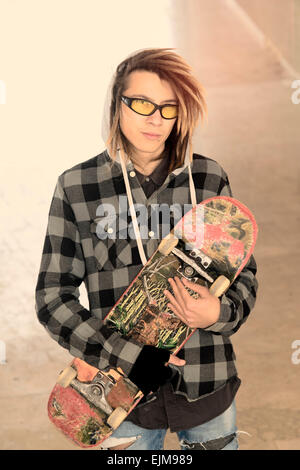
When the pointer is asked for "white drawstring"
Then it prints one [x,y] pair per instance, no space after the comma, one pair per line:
[192,188]
[191,182]
[132,212]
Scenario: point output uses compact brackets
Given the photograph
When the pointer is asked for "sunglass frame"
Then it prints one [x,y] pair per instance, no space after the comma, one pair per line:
[128,101]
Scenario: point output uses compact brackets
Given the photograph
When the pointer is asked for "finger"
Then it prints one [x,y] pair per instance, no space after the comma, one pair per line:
[173,305]
[202,290]
[179,291]
[185,295]
[178,314]
[170,296]
[186,299]
[175,301]
[176,361]
[181,287]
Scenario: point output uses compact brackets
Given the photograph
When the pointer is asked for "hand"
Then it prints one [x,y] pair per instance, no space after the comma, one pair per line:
[151,369]
[176,361]
[195,313]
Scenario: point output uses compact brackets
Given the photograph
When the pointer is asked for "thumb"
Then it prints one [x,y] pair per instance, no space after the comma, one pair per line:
[176,361]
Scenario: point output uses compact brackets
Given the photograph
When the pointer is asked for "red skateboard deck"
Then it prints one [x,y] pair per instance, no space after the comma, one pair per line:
[210,245]
[87,404]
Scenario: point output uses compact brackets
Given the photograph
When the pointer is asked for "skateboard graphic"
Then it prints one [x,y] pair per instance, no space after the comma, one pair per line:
[210,245]
[87,404]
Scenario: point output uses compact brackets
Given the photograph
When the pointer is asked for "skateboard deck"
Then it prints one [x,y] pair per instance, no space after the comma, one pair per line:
[87,404]
[210,245]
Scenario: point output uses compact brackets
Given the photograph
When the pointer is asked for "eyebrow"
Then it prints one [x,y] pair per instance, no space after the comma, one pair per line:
[150,99]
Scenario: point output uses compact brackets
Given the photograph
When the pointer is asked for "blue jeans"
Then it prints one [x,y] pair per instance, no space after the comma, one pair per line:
[217,434]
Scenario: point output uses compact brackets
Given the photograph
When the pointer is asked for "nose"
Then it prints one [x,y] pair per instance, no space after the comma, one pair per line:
[156,117]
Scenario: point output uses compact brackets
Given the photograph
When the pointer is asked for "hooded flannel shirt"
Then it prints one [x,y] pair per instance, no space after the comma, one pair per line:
[73,253]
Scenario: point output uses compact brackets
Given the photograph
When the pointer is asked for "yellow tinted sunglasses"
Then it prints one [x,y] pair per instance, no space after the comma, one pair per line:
[146,108]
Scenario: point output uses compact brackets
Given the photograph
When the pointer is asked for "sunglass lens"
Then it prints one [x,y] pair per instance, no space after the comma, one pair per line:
[142,107]
[169,112]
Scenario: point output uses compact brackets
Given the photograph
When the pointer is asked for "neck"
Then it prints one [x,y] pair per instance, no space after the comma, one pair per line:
[146,163]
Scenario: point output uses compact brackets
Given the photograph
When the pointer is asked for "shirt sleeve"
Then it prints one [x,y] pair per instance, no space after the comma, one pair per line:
[62,270]
[240,298]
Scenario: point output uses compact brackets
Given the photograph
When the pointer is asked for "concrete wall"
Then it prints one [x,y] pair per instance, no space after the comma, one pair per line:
[279,20]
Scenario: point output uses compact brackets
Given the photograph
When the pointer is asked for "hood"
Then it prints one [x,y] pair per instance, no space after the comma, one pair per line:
[120,159]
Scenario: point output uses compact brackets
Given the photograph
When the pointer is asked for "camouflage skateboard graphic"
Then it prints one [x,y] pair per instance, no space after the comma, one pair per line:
[210,245]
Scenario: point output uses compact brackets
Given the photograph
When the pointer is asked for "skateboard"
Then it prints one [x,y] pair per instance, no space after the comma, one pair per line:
[87,404]
[209,245]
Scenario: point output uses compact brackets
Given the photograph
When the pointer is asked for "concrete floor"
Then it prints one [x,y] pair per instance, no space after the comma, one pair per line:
[253,131]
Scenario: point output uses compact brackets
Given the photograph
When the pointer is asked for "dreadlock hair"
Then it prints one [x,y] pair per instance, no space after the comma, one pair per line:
[172,68]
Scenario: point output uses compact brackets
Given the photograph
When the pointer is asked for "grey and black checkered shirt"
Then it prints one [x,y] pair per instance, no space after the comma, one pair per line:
[73,254]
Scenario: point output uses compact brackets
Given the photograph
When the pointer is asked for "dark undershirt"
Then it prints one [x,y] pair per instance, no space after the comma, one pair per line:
[152,182]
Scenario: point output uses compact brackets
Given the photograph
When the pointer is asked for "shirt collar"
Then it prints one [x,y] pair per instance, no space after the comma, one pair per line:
[160,173]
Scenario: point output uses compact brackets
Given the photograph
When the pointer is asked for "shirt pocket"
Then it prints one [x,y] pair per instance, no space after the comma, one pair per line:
[111,251]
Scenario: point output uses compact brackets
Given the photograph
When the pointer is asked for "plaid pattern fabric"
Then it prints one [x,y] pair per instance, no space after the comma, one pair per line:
[73,253]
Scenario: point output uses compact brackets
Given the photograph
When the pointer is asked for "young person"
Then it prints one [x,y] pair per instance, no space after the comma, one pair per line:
[156,103]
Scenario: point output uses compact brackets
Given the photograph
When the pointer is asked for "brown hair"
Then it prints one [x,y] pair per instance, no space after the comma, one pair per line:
[171,67]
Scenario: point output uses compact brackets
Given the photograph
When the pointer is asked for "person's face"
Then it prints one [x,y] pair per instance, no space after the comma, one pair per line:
[147,134]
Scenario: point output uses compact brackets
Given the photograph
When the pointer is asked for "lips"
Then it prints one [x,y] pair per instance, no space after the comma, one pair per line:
[150,135]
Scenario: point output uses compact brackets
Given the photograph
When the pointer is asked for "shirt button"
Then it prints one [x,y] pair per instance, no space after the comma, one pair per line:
[151,234]
[132,174]
[147,179]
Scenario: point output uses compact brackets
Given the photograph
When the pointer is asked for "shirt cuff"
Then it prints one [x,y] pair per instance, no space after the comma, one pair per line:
[226,316]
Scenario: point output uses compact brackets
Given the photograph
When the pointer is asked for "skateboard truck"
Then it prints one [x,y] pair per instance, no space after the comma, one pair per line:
[196,262]
[96,391]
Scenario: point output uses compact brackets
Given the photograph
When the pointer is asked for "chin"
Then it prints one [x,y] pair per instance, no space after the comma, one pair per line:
[151,147]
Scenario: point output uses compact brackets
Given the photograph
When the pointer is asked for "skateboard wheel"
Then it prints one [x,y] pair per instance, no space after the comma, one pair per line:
[117,417]
[167,245]
[220,285]
[66,376]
